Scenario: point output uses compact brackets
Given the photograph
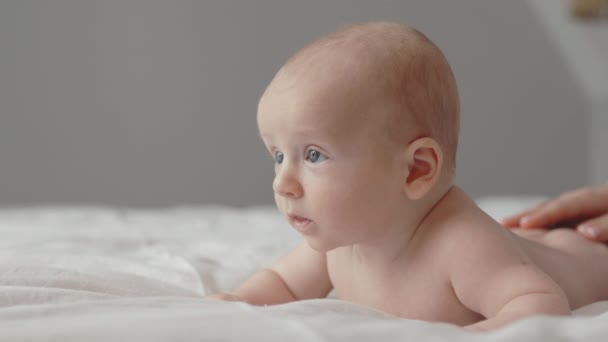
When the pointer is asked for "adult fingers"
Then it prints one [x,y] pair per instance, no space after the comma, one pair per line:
[575,205]
[595,229]
[513,221]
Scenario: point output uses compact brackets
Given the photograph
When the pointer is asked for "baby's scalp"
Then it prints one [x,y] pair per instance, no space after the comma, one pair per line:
[406,74]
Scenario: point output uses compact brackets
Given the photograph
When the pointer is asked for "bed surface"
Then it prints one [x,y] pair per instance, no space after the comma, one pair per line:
[99,274]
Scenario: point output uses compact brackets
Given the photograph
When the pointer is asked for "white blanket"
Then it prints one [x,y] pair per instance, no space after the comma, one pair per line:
[95,274]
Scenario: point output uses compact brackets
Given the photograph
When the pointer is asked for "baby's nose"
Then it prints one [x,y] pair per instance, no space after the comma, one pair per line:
[286,184]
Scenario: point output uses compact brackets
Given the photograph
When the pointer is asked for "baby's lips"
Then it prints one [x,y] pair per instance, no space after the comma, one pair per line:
[293,216]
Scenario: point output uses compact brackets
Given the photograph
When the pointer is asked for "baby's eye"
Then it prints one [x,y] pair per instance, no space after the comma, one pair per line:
[278,157]
[315,156]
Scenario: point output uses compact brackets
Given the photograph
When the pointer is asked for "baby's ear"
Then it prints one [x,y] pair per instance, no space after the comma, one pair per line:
[424,159]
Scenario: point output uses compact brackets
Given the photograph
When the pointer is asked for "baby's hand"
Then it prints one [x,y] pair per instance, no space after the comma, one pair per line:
[228,297]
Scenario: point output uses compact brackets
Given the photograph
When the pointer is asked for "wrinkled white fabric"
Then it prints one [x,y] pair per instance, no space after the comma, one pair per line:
[101,274]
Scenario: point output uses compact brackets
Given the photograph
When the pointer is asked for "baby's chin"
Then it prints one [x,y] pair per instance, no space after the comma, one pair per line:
[320,245]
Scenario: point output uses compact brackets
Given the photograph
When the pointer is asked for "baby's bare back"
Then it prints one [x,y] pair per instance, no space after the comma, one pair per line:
[578,265]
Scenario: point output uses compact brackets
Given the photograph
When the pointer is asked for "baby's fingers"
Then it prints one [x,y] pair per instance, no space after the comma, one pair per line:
[595,229]
[228,297]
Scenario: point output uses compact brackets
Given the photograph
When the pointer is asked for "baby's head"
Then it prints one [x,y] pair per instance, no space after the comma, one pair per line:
[363,125]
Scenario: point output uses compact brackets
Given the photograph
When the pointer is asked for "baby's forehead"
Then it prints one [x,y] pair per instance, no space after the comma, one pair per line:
[327,81]
[326,104]
[320,114]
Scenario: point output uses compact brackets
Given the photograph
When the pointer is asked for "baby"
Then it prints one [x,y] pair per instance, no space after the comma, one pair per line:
[363,126]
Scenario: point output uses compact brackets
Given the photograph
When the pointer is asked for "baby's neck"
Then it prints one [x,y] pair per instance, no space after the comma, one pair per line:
[400,244]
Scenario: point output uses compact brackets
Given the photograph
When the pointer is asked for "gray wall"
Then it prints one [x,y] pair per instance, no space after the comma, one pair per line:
[152,103]
[584,47]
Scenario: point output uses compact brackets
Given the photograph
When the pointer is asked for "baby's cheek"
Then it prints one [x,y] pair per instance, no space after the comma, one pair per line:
[343,206]
[279,203]
[369,204]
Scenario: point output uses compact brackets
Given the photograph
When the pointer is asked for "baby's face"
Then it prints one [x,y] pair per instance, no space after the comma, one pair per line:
[337,176]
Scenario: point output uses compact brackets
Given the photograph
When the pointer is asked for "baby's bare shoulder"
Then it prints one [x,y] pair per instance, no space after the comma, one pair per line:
[473,236]
[459,227]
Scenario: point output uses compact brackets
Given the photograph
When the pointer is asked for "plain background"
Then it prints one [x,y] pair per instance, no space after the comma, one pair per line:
[152,103]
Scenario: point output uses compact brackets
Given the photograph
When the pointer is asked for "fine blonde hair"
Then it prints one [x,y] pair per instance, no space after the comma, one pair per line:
[409,69]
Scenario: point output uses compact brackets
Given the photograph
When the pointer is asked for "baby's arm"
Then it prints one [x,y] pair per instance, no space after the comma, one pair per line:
[514,293]
[494,279]
[301,274]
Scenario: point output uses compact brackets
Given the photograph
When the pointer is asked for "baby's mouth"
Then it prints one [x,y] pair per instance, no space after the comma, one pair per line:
[299,222]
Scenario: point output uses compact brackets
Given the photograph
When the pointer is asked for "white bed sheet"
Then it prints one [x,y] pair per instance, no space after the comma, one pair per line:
[99,274]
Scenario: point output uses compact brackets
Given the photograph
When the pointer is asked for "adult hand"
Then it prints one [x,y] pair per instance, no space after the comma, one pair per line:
[585,209]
